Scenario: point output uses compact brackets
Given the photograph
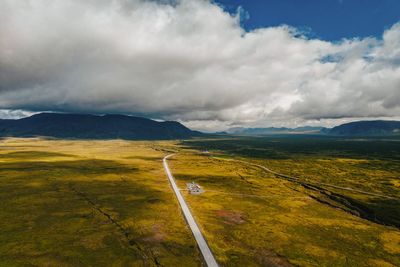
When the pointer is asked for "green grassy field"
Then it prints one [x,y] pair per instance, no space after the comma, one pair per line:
[109,203]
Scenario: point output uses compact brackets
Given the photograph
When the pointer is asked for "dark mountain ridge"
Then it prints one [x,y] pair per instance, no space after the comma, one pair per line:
[367,128]
[357,128]
[274,130]
[85,126]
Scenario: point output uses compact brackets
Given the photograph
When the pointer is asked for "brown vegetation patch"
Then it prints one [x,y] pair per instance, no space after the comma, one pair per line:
[271,259]
[157,234]
[231,217]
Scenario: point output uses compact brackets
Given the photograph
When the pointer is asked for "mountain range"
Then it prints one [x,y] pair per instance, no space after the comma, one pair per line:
[84,126]
[273,130]
[367,128]
[357,128]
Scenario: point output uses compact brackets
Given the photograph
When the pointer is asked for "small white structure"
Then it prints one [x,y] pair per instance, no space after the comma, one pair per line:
[194,188]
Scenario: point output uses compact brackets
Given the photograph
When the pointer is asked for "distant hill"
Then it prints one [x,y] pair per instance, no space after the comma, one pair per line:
[367,128]
[274,130]
[358,128]
[84,126]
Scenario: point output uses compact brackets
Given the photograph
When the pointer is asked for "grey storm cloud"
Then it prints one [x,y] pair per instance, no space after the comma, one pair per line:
[187,60]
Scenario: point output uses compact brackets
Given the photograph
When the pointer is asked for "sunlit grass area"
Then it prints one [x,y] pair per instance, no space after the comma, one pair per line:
[89,203]
[254,218]
[369,165]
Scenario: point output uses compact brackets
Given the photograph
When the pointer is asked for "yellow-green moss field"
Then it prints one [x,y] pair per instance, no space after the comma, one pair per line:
[89,203]
[109,203]
[251,218]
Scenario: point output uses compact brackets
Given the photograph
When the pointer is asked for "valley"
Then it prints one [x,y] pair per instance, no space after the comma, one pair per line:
[92,202]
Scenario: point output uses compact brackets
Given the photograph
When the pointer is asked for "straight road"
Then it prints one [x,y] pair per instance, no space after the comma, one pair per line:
[201,242]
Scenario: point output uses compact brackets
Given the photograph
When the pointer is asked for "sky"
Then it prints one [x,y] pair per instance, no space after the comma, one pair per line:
[330,20]
[211,65]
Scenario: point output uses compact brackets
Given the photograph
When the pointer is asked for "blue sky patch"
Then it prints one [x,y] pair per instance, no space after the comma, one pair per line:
[328,19]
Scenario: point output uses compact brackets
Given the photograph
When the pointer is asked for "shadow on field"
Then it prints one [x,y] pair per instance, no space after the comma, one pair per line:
[21,155]
[69,167]
[76,202]
[386,210]
[143,157]
[111,200]
[290,146]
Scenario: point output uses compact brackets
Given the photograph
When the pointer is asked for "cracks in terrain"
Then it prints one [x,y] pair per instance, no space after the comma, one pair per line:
[333,199]
[125,232]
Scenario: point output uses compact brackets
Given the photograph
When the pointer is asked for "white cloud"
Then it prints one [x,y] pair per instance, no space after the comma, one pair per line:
[188,61]
[14,114]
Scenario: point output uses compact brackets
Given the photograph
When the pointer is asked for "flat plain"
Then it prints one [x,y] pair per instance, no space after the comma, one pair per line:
[109,203]
[255,218]
[89,203]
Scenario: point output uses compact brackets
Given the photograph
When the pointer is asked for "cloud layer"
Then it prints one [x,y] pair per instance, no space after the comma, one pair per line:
[187,60]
